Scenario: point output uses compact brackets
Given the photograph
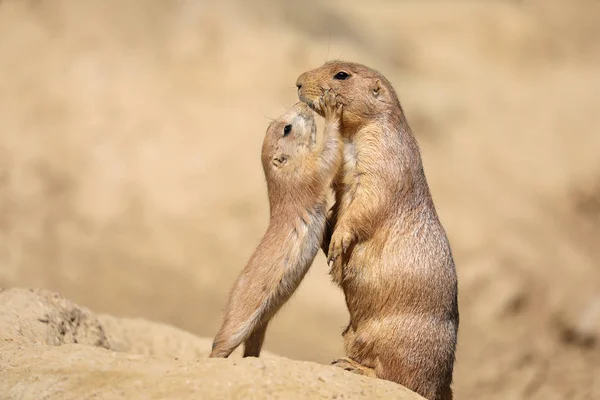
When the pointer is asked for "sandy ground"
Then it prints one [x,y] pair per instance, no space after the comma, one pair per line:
[130,177]
[51,348]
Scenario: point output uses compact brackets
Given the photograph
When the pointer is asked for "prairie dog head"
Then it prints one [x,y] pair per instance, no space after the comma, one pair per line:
[288,139]
[364,92]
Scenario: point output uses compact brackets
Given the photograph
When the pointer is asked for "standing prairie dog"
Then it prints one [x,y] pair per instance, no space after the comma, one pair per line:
[299,174]
[389,251]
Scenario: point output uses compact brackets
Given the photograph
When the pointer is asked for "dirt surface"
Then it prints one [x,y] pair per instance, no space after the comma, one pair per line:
[130,176]
[51,348]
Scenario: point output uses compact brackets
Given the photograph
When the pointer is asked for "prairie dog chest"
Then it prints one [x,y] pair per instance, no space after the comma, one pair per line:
[307,234]
[347,178]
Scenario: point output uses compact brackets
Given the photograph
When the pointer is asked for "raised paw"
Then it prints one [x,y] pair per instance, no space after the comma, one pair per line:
[341,240]
[350,365]
[332,109]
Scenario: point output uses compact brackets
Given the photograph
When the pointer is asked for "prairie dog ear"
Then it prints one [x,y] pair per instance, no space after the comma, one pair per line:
[376,88]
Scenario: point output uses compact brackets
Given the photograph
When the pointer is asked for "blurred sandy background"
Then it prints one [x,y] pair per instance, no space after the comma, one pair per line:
[130,176]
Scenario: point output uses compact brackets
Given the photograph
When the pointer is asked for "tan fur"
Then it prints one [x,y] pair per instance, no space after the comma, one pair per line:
[390,253]
[299,174]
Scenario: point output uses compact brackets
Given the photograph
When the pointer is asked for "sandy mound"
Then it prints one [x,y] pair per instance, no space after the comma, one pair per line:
[51,348]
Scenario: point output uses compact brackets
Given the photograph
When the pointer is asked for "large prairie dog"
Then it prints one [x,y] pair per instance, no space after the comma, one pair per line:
[299,174]
[389,251]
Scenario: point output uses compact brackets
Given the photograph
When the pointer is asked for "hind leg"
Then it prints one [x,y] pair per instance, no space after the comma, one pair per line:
[349,364]
[358,360]
[254,343]
[447,394]
[424,377]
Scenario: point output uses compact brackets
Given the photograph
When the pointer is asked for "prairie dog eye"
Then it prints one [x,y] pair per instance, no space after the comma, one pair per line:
[341,76]
[287,130]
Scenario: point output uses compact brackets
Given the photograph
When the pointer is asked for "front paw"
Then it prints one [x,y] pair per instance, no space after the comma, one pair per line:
[330,106]
[341,240]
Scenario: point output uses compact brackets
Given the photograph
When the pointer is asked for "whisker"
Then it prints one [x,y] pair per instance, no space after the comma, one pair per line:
[328,46]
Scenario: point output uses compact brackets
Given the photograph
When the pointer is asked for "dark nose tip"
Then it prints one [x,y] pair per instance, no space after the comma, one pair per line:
[299,81]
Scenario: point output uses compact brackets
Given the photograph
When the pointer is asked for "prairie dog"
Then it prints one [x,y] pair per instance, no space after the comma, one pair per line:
[299,172]
[388,249]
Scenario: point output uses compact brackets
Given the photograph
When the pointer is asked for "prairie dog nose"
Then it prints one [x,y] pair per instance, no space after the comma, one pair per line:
[300,81]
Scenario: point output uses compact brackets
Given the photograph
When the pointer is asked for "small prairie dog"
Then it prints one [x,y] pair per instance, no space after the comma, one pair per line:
[299,174]
[388,249]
